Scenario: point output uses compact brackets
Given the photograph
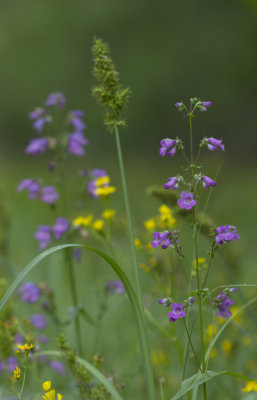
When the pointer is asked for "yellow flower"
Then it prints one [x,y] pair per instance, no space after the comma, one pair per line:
[251,386]
[102,180]
[227,346]
[238,318]
[137,242]
[144,267]
[17,373]
[82,221]
[98,225]
[201,260]
[26,347]
[150,224]
[108,214]
[59,396]
[211,331]
[165,210]
[105,191]
[159,358]
[46,386]
[49,395]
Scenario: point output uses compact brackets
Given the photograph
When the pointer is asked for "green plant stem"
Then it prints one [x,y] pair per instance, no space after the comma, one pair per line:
[143,338]
[197,265]
[74,299]
[191,344]
[24,375]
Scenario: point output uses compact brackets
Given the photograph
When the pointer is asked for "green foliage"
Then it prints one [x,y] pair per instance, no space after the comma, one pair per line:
[110,92]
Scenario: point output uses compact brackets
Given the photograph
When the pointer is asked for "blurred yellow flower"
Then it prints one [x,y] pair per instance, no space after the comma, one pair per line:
[159,358]
[49,395]
[82,221]
[102,180]
[17,373]
[246,340]
[150,224]
[137,242]
[251,386]
[227,346]
[105,191]
[59,396]
[238,319]
[165,210]
[211,331]
[213,353]
[201,260]
[26,347]
[98,224]
[46,386]
[144,267]
[108,214]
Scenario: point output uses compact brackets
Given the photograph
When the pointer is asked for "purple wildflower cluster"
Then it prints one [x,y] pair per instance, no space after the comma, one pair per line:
[186,201]
[47,194]
[226,233]
[170,146]
[43,234]
[165,239]
[114,287]
[223,302]
[29,292]
[92,184]
[176,312]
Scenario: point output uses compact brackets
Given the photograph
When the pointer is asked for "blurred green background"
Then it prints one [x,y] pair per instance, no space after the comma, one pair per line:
[165,51]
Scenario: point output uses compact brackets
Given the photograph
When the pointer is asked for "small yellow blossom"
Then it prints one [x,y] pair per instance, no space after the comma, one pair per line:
[46,386]
[201,260]
[49,395]
[238,319]
[150,224]
[108,214]
[227,346]
[148,246]
[26,347]
[102,180]
[159,358]
[165,210]
[211,330]
[98,225]
[137,242]
[144,267]
[59,396]
[82,221]
[105,191]
[17,373]
[251,386]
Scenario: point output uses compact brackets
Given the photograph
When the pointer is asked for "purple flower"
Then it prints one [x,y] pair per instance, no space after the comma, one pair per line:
[12,363]
[213,144]
[76,143]
[31,186]
[43,235]
[168,144]
[58,366]
[56,98]
[29,292]
[37,113]
[49,195]
[98,173]
[36,146]
[207,182]
[165,302]
[38,321]
[205,105]
[178,105]
[226,233]
[43,339]
[172,183]
[91,188]
[186,201]
[40,122]
[177,312]
[18,339]
[161,239]
[60,228]
[191,300]
[114,287]
[76,120]
[223,302]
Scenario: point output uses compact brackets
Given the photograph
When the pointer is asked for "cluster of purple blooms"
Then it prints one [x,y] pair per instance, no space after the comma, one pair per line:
[41,116]
[202,105]
[165,239]
[43,234]
[47,194]
[29,292]
[223,302]
[114,287]
[226,233]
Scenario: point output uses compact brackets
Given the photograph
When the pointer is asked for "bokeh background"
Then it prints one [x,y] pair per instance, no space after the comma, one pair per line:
[165,51]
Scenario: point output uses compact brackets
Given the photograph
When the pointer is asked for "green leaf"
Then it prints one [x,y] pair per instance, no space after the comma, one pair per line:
[198,379]
[90,368]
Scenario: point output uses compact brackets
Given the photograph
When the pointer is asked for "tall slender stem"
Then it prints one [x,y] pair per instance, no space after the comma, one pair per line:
[197,265]
[191,344]
[24,375]
[143,338]
[70,265]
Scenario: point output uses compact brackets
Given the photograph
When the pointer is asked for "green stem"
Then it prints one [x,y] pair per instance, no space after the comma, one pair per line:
[191,344]
[143,339]
[24,376]
[74,299]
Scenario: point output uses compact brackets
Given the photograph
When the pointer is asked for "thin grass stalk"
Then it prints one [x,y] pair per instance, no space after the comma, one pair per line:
[144,343]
